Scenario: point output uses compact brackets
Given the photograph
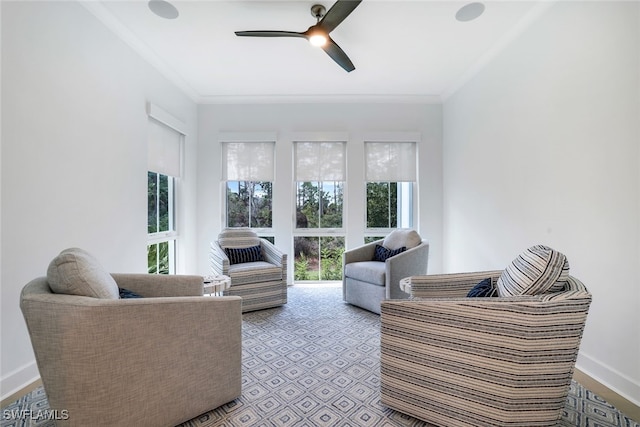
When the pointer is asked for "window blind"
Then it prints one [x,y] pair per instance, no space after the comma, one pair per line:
[390,161]
[163,149]
[248,161]
[320,161]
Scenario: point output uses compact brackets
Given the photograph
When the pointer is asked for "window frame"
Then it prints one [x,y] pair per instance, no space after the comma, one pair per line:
[319,232]
[171,235]
[262,231]
[391,138]
[245,138]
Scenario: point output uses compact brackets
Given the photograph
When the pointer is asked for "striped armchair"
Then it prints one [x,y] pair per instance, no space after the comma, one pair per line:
[456,361]
[261,283]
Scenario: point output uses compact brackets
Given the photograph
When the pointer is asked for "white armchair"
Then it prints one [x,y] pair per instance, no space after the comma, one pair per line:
[366,282]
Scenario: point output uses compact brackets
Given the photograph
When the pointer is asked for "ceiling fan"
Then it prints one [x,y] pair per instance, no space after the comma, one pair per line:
[318,34]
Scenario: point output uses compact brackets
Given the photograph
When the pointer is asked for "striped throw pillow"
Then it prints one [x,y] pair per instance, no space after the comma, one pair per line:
[241,255]
[538,270]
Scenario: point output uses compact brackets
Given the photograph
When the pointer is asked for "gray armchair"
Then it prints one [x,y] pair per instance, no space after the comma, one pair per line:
[456,361]
[158,360]
[366,282]
[260,280]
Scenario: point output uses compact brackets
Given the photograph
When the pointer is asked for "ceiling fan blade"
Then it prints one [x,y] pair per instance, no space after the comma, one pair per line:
[338,12]
[270,34]
[338,55]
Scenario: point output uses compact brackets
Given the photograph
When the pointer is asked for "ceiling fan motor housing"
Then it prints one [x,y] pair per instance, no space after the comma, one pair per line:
[318,11]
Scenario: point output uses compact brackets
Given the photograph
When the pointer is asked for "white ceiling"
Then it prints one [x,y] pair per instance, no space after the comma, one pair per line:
[401,49]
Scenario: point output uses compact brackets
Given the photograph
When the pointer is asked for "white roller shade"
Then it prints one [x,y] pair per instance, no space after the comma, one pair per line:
[320,161]
[248,161]
[163,149]
[390,161]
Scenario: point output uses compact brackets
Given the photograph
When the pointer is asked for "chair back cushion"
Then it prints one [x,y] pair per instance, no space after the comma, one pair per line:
[238,238]
[76,272]
[538,270]
[402,237]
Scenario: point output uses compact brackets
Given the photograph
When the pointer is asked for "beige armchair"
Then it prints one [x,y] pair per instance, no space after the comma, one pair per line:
[366,282]
[258,276]
[158,360]
[454,361]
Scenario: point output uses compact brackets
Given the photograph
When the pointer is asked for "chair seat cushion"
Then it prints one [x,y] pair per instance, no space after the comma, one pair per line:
[366,271]
[76,272]
[251,272]
[537,270]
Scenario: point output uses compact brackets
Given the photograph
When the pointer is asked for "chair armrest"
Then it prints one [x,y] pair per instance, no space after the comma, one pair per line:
[219,259]
[453,285]
[272,254]
[161,285]
[361,253]
[411,262]
[275,256]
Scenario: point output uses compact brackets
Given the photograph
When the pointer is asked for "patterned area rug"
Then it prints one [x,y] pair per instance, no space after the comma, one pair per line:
[315,362]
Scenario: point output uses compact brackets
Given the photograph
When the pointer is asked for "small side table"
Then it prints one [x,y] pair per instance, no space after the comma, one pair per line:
[216,285]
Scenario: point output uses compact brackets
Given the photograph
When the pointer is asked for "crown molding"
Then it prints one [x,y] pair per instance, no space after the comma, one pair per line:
[320,99]
[509,37]
[113,24]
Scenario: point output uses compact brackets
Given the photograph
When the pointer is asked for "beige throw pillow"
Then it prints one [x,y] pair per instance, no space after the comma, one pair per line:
[76,272]
[402,237]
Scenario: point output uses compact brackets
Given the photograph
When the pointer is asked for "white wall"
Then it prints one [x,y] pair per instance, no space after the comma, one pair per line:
[74,155]
[542,146]
[287,121]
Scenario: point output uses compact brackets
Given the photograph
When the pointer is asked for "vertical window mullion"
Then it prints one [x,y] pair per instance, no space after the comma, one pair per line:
[171,204]
[389,204]
[157,202]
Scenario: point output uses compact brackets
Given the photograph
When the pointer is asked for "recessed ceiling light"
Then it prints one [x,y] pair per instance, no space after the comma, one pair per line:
[163,9]
[470,12]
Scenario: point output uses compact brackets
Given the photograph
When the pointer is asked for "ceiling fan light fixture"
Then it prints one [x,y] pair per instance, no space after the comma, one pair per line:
[318,39]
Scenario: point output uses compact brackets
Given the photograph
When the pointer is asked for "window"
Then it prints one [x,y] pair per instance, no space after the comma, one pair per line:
[390,169]
[160,224]
[164,164]
[249,204]
[319,233]
[248,169]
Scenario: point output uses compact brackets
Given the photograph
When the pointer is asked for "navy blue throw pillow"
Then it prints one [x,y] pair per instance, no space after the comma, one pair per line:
[483,289]
[383,253]
[126,293]
[240,255]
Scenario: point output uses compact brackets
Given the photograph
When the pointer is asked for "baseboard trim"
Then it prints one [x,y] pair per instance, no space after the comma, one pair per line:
[18,379]
[624,405]
[19,393]
[615,381]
